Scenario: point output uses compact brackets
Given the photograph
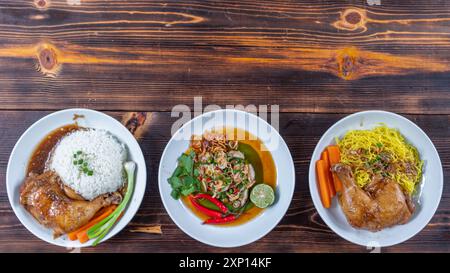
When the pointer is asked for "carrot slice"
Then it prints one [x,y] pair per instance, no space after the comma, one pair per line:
[322,183]
[325,157]
[335,157]
[74,234]
[83,237]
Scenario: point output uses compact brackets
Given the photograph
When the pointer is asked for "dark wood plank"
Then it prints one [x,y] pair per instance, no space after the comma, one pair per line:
[301,230]
[306,56]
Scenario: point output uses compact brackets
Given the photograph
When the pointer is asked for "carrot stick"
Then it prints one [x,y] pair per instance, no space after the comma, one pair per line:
[100,212]
[325,157]
[83,237]
[335,157]
[82,234]
[322,183]
[74,234]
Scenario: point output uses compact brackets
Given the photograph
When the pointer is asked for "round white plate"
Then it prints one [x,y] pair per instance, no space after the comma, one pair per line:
[431,184]
[259,226]
[18,161]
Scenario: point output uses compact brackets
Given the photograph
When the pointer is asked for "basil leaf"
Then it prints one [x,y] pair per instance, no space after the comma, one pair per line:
[175,182]
[186,162]
[175,194]
[178,171]
[188,190]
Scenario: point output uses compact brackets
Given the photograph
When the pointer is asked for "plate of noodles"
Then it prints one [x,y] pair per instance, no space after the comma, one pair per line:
[375,178]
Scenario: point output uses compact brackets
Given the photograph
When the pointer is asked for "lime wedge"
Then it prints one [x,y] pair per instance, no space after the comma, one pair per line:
[262,195]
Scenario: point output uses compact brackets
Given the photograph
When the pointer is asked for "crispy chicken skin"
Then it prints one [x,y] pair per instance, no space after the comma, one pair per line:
[382,204]
[44,197]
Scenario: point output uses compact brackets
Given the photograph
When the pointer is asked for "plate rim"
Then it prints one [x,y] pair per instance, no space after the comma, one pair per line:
[71,244]
[317,203]
[209,242]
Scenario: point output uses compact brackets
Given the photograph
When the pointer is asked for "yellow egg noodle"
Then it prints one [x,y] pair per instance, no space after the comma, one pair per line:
[362,148]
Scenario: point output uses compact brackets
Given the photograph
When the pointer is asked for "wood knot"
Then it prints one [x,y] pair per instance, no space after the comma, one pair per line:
[352,19]
[47,57]
[137,123]
[348,63]
[41,4]
[347,66]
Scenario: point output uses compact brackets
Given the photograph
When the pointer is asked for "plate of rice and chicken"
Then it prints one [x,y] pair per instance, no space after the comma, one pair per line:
[76,177]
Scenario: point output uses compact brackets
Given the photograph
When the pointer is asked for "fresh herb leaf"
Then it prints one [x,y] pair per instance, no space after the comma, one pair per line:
[178,171]
[188,190]
[175,182]
[196,172]
[175,194]
[182,180]
[186,162]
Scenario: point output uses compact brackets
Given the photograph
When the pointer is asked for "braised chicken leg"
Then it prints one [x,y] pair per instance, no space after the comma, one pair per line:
[44,197]
[383,203]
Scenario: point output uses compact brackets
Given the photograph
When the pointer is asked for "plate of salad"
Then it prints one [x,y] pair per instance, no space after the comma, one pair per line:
[226,183]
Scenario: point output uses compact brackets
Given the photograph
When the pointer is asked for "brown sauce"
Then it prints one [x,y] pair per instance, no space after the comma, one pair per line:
[40,155]
[268,170]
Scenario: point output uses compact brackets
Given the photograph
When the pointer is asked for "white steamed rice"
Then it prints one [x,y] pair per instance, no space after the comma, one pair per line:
[105,155]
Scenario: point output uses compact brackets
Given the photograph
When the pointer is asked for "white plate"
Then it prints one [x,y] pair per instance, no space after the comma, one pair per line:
[247,232]
[18,161]
[431,184]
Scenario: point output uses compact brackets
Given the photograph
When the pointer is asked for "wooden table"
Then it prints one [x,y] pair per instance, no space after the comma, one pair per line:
[317,60]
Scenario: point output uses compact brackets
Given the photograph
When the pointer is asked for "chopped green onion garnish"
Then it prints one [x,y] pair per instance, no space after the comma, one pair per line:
[82,163]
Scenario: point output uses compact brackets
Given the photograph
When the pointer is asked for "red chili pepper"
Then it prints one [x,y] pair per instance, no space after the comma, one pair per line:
[216,221]
[209,212]
[213,200]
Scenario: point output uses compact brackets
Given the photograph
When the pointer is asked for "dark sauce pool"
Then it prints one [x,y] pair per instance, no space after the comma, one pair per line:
[40,155]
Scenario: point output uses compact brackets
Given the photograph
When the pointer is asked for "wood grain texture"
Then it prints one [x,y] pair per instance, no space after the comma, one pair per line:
[136,59]
[301,230]
[306,56]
